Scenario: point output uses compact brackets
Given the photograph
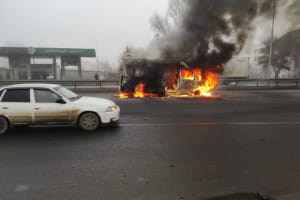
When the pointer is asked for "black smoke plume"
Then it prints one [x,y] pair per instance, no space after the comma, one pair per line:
[212,31]
[210,34]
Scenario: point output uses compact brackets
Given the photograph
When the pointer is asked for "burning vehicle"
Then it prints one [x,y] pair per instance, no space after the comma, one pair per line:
[147,78]
[190,55]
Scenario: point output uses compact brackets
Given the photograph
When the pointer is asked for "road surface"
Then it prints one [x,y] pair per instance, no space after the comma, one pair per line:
[163,149]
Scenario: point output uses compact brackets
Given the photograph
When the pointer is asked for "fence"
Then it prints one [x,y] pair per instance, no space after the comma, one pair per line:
[238,83]
[71,84]
[259,83]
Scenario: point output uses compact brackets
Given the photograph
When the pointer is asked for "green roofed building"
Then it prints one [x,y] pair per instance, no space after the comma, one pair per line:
[20,58]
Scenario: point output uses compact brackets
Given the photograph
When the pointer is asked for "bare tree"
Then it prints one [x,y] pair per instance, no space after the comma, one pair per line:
[176,11]
[160,24]
[278,62]
[163,24]
[280,57]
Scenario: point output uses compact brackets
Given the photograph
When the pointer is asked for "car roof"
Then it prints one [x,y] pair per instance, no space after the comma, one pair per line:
[31,85]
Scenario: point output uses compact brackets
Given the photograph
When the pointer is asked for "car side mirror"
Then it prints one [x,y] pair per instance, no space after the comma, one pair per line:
[60,101]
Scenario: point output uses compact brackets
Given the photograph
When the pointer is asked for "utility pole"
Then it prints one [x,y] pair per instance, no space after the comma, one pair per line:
[272,38]
[249,67]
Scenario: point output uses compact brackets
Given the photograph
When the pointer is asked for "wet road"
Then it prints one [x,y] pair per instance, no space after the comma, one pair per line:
[163,149]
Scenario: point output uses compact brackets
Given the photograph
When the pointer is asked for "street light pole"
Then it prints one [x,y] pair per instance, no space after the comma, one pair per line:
[97,57]
[272,36]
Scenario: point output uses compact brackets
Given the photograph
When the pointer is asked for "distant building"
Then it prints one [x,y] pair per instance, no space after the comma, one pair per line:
[288,48]
[286,56]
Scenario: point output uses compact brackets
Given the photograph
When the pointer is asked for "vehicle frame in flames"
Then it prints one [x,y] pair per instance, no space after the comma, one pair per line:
[160,78]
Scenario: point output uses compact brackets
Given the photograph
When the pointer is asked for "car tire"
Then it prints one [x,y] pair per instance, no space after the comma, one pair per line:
[89,121]
[4,125]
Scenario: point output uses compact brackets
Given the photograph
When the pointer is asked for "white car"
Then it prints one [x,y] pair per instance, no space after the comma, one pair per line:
[44,104]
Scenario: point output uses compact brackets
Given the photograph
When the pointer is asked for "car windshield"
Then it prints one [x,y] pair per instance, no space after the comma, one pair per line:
[67,93]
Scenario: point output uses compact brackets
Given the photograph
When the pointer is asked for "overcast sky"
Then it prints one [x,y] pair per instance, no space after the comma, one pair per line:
[114,24]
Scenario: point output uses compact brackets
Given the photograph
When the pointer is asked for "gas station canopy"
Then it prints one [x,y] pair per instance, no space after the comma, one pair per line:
[46,52]
[20,60]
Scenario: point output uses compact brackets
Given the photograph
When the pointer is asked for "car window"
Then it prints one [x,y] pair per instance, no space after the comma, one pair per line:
[67,93]
[16,95]
[45,96]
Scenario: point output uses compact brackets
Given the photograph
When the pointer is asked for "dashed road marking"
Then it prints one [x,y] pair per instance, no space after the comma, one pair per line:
[22,188]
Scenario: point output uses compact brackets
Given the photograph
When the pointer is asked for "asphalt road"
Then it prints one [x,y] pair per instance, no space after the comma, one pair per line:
[163,149]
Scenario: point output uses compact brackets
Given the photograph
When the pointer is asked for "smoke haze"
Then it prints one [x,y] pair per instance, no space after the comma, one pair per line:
[213,31]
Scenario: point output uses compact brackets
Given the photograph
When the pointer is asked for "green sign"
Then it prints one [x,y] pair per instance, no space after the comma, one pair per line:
[8,51]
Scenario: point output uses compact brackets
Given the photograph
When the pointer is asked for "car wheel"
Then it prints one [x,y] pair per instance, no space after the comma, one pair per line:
[3,125]
[89,121]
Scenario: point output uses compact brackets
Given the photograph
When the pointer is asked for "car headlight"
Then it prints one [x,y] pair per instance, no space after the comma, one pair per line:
[111,109]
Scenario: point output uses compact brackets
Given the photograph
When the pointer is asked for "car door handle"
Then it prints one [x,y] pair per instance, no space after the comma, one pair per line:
[5,108]
[36,108]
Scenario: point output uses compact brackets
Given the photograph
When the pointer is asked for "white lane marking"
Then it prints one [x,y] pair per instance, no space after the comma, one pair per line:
[209,124]
[22,188]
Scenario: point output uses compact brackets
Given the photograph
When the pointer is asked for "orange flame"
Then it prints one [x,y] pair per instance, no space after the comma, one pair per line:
[198,74]
[139,91]
[187,74]
[210,82]
[123,95]
[172,87]
[204,84]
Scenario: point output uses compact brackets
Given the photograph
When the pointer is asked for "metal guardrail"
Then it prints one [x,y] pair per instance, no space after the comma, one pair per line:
[71,84]
[224,82]
[270,83]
